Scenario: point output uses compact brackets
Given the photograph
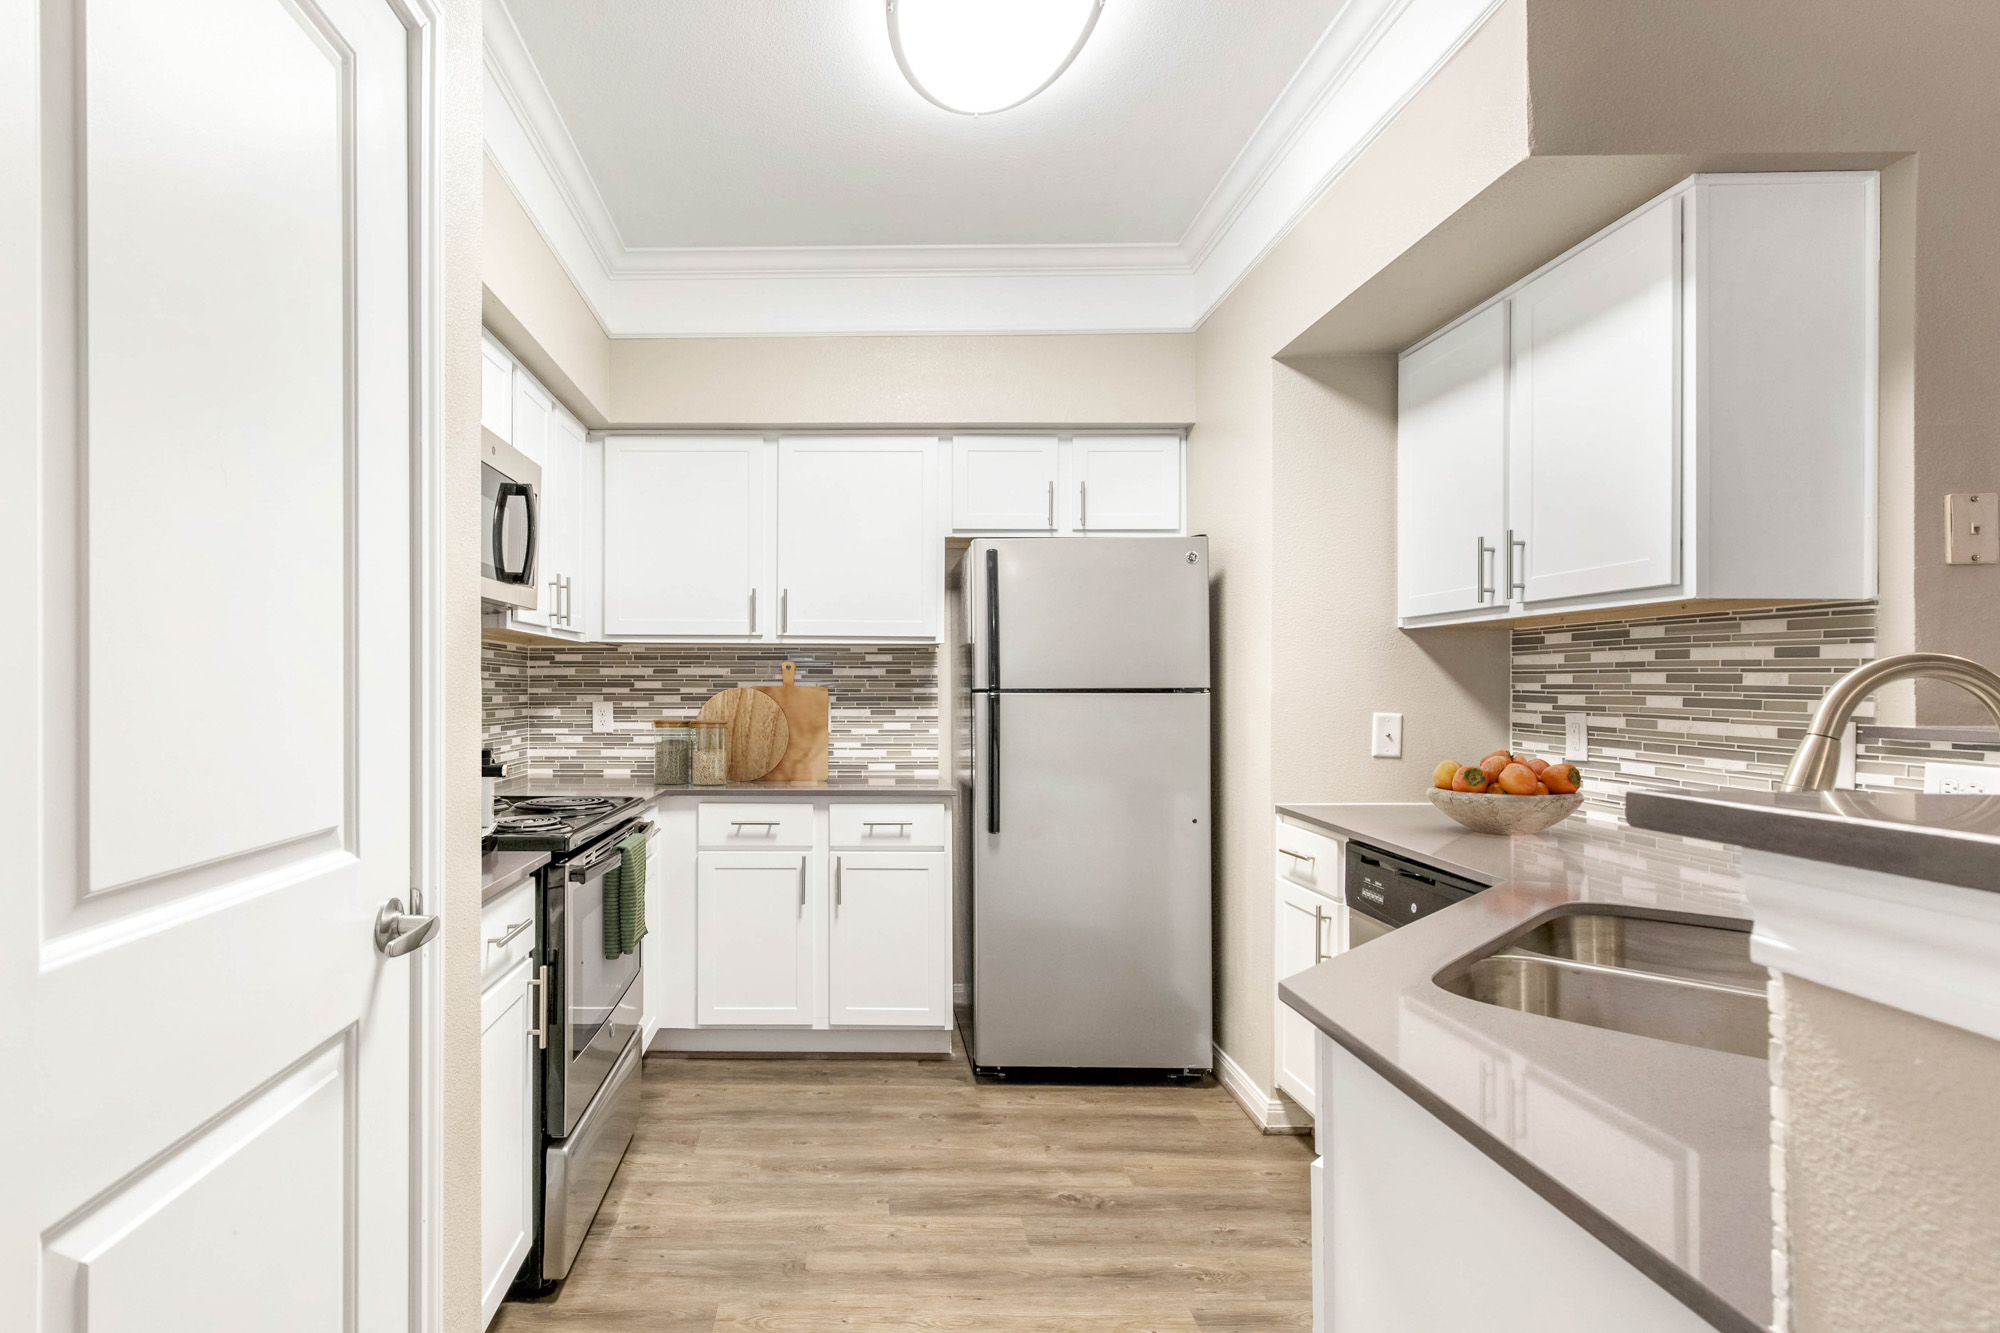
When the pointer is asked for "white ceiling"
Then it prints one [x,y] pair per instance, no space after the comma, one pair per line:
[787,123]
[743,167]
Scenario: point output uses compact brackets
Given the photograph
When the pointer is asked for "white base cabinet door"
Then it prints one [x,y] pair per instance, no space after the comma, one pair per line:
[506,1134]
[754,938]
[1308,935]
[889,940]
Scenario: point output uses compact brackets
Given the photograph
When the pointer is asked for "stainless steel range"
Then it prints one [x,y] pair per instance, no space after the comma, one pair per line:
[588,1075]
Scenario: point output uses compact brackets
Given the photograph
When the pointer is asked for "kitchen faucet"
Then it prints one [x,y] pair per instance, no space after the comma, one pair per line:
[1817,762]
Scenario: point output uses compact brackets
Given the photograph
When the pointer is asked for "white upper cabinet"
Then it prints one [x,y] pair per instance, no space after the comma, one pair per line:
[1451,468]
[859,550]
[1594,453]
[1127,483]
[889,940]
[496,388]
[534,413]
[1004,483]
[684,535]
[1664,382]
[564,511]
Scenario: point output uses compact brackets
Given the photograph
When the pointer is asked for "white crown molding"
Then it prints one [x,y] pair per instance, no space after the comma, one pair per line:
[1930,949]
[1371,60]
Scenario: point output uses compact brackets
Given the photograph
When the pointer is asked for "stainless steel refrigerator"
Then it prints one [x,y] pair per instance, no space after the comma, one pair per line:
[1090,816]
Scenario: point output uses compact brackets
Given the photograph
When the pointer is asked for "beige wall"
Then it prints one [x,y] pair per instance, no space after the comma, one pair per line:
[1923,78]
[1007,379]
[460,156]
[535,309]
[1454,139]
[1892,1168]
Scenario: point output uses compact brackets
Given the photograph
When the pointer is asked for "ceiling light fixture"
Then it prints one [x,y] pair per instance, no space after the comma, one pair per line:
[976,57]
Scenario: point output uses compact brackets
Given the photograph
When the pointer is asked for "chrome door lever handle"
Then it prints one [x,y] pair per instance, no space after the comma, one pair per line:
[398,933]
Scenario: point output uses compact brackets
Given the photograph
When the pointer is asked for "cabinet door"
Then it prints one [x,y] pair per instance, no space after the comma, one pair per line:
[1594,444]
[534,412]
[1308,927]
[534,415]
[753,939]
[1003,483]
[496,389]
[889,941]
[1127,483]
[684,532]
[506,1134]
[858,548]
[1451,469]
[562,522]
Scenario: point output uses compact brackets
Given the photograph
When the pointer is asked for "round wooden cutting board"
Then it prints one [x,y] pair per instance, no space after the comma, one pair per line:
[758,733]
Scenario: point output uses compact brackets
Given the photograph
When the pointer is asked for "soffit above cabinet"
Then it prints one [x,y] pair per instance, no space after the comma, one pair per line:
[701,168]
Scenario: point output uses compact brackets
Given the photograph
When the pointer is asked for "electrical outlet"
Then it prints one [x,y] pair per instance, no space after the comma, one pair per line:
[600,718]
[1962,778]
[1576,736]
[1388,736]
[1972,529]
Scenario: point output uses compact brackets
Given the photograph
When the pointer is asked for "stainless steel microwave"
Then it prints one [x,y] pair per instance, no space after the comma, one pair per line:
[510,498]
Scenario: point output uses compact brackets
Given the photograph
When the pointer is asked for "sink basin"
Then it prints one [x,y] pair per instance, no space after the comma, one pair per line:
[1671,980]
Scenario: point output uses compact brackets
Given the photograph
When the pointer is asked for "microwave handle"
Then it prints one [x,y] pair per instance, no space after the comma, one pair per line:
[508,490]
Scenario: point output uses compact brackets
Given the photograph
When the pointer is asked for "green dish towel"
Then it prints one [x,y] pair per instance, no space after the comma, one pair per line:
[625,899]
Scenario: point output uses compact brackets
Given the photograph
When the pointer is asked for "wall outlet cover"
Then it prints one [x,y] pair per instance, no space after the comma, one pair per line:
[1948,778]
[1388,736]
[600,718]
[1576,736]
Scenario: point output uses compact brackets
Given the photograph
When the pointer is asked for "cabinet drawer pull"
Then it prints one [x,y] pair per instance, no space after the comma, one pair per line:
[886,823]
[500,941]
[753,823]
[1308,861]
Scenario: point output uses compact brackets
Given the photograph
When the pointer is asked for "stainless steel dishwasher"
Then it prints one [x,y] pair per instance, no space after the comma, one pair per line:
[1384,891]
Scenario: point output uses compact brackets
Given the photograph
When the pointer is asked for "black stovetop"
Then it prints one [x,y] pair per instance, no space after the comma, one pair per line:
[558,824]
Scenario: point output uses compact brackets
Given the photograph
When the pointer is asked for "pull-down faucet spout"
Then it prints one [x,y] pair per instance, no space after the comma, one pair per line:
[1817,762]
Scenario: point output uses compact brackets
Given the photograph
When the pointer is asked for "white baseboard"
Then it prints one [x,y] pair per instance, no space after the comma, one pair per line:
[1272,1114]
[804,1041]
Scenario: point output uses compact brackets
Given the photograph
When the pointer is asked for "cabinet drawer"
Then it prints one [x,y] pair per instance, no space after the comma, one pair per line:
[869,824]
[507,930]
[1309,860]
[753,825]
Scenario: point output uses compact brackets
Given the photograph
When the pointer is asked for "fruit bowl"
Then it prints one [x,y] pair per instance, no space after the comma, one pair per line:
[1515,816]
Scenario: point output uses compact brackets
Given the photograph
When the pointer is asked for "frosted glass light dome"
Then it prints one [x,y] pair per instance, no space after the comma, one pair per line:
[976,57]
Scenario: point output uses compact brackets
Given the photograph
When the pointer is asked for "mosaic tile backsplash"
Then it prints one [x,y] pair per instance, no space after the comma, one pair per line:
[884,700]
[1709,700]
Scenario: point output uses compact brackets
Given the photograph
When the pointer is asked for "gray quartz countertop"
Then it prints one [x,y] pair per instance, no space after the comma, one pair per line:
[858,788]
[1659,1150]
[1951,839]
[501,871]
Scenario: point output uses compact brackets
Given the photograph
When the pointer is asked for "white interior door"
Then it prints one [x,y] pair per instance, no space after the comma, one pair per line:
[858,548]
[206,254]
[889,940]
[684,530]
[1003,483]
[753,938]
[1593,458]
[1451,469]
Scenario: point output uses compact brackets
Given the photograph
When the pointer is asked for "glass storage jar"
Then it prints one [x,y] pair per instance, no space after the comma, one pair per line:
[711,753]
[673,753]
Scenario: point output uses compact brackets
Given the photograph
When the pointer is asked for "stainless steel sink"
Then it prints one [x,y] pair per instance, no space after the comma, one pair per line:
[1672,980]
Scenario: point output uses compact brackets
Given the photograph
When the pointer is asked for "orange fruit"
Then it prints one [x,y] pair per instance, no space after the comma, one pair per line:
[1470,779]
[1562,778]
[1517,780]
[1537,764]
[1441,775]
[1496,761]
[1541,789]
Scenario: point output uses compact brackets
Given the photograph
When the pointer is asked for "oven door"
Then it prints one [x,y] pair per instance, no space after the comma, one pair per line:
[510,486]
[594,995]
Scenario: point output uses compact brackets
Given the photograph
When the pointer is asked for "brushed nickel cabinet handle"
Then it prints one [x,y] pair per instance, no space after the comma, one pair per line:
[784,610]
[1083,504]
[540,1032]
[1517,570]
[501,941]
[1484,551]
[1052,506]
[1320,919]
[802,884]
[753,610]
[836,884]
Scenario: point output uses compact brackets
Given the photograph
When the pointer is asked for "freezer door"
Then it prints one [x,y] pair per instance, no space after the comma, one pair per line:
[1091,938]
[1091,613]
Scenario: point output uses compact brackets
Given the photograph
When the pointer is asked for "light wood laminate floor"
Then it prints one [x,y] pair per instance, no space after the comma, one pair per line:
[898,1194]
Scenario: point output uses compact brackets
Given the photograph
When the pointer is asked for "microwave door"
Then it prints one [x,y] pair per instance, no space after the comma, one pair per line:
[509,538]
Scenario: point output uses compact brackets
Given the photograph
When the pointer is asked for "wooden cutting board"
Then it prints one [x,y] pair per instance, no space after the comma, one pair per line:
[758,732]
[806,712]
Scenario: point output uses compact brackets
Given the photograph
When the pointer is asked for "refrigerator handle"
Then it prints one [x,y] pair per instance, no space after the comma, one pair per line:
[992,619]
[993,763]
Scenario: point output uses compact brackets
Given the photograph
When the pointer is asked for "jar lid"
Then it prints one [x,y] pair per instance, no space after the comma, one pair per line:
[710,726]
[671,722]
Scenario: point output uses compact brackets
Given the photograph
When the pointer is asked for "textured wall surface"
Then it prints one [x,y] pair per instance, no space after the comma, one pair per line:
[1892,1168]
[884,703]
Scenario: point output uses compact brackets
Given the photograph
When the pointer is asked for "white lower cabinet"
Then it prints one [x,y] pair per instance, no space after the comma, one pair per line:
[506,1132]
[838,938]
[889,939]
[1308,932]
[753,938]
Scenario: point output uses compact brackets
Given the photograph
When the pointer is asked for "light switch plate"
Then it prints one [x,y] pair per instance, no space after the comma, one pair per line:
[1972,528]
[1576,736]
[600,718]
[1388,742]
